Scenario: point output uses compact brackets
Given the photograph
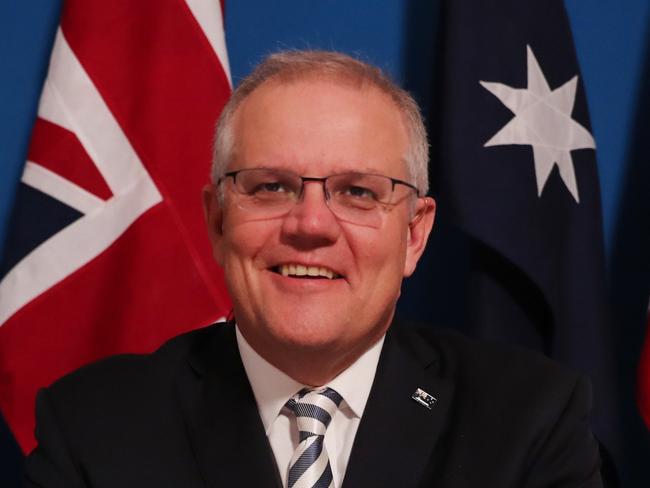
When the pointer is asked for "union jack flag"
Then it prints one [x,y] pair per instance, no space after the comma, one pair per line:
[107,250]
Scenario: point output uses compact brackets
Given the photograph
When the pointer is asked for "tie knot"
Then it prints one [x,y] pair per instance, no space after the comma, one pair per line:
[314,409]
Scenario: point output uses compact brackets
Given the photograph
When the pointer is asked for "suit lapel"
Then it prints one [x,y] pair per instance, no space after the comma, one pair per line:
[223,424]
[397,435]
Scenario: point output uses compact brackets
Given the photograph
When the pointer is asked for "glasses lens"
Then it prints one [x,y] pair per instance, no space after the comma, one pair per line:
[262,189]
[357,198]
[359,191]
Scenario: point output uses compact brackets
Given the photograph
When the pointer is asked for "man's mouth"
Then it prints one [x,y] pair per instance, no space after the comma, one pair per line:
[302,271]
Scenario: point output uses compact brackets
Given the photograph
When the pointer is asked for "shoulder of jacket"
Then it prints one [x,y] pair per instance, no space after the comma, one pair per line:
[124,373]
[478,359]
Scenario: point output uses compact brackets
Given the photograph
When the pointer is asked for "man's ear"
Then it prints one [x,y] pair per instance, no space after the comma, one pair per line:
[418,232]
[213,212]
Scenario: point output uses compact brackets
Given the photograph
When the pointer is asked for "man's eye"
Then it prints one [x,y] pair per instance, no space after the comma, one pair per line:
[271,187]
[359,192]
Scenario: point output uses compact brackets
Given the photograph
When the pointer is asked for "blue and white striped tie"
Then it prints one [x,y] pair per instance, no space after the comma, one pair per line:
[310,466]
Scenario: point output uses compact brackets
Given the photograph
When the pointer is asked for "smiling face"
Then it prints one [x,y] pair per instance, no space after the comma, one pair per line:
[308,284]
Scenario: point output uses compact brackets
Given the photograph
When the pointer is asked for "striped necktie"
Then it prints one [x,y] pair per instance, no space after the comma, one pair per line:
[310,466]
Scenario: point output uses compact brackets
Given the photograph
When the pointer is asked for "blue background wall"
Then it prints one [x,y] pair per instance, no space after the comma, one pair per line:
[613,44]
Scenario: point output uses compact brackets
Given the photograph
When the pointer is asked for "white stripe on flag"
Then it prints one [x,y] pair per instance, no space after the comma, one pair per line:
[71,248]
[77,105]
[61,189]
[73,102]
[210,17]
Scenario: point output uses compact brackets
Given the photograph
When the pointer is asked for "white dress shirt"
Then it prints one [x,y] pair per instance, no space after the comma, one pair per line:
[272,388]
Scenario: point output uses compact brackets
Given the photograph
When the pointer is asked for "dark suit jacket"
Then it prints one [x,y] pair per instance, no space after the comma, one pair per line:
[185,416]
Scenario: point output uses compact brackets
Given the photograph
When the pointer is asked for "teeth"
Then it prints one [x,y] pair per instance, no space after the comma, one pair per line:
[301,270]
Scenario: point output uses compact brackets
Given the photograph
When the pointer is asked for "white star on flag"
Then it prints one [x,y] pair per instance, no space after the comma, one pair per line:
[543,121]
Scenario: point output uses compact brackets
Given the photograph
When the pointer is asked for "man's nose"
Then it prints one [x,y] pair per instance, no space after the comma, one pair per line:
[311,221]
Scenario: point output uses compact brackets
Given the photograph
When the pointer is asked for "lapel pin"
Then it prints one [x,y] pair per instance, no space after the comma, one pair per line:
[424,399]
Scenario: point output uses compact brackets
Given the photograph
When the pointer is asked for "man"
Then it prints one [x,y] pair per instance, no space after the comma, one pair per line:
[316,213]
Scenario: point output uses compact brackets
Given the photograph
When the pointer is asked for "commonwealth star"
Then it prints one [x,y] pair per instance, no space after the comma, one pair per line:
[543,120]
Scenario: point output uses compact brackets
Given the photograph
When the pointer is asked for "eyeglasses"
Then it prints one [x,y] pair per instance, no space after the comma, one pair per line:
[357,198]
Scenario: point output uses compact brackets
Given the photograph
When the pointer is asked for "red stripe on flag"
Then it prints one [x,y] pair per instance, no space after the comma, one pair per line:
[60,151]
[165,88]
[643,386]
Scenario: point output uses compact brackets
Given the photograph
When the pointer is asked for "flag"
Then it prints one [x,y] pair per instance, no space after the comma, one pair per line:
[643,386]
[107,251]
[514,168]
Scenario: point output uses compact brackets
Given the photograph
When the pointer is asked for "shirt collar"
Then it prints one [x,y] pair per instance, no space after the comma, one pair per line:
[272,387]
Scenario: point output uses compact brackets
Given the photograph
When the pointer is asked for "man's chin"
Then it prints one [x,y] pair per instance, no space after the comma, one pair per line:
[310,331]
[307,331]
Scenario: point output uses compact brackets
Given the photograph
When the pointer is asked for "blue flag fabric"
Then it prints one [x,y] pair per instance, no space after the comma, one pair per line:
[514,168]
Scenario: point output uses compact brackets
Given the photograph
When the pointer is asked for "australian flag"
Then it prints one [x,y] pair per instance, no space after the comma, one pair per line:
[514,168]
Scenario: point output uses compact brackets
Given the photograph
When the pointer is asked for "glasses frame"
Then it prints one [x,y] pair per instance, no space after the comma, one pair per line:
[386,206]
[323,180]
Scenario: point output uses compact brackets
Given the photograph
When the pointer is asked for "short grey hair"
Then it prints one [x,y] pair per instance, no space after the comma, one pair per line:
[291,66]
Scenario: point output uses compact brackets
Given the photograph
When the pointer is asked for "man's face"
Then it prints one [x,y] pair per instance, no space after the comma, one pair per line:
[316,128]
